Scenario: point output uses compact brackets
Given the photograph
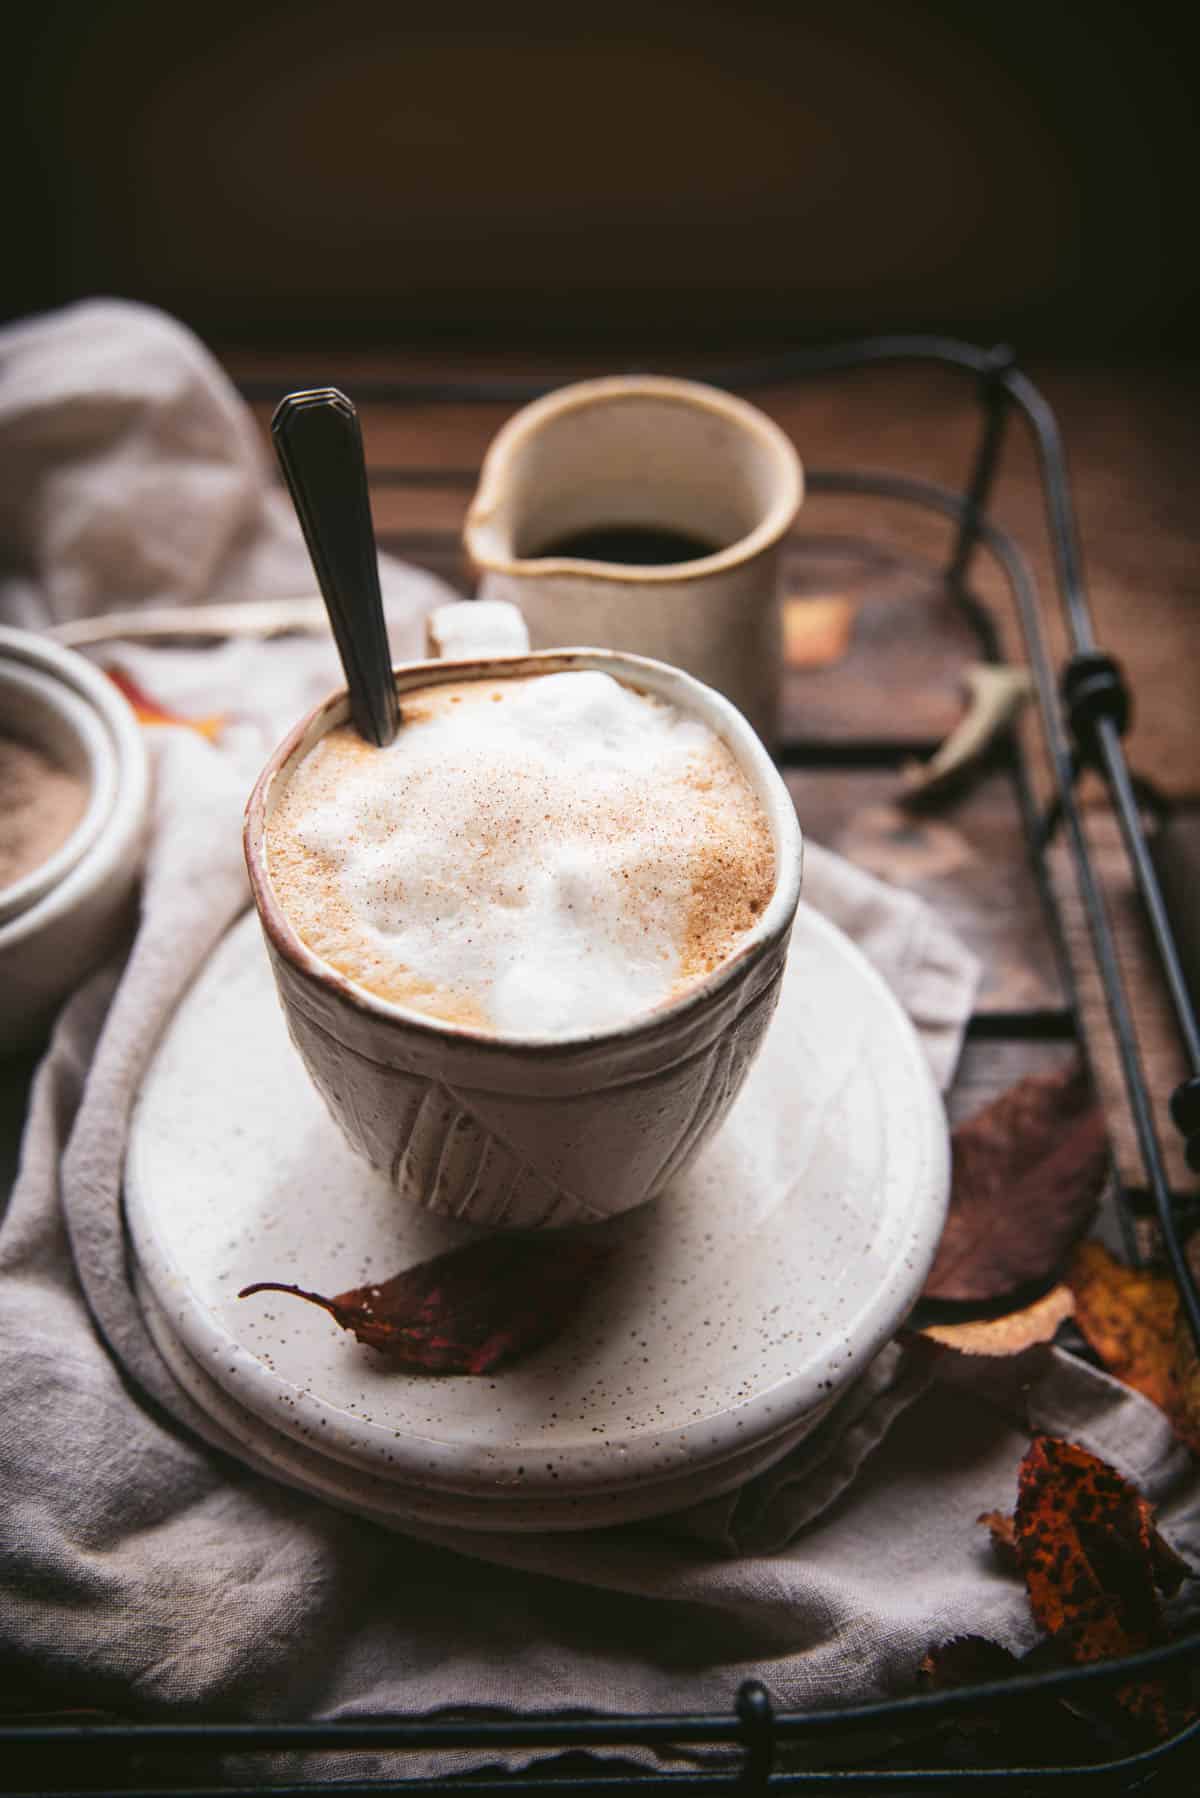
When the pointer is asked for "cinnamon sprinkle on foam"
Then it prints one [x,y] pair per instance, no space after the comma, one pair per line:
[543,855]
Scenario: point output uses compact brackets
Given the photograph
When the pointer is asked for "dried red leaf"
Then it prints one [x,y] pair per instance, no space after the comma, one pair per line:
[1094,1567]
[1134,1321]
[468,1310]
[1028,1171]
[148,710]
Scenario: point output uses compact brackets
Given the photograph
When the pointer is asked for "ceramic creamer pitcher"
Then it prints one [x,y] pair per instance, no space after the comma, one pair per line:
[644,514]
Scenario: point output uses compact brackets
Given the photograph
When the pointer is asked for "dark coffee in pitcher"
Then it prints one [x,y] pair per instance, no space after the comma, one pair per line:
[646,545]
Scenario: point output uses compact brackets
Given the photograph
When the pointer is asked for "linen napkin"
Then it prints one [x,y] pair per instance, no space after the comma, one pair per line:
[148,1563]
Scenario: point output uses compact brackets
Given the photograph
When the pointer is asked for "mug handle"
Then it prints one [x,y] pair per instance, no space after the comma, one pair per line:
[471,628]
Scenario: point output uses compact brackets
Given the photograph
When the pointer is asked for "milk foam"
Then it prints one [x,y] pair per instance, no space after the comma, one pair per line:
[544,855]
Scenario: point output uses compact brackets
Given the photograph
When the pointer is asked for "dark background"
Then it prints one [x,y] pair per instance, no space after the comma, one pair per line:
[362,172]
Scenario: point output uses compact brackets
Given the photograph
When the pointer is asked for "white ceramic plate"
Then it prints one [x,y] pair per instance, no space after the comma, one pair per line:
[731,1312]
[388,1502]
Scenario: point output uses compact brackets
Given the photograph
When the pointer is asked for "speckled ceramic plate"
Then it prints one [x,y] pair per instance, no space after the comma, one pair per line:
[732,1311]
[395,1505]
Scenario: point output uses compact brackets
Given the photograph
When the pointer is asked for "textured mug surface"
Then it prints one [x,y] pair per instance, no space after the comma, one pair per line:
[645,450]
[526,1133]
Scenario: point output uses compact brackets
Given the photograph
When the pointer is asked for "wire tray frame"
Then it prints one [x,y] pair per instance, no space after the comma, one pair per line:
[1083,713]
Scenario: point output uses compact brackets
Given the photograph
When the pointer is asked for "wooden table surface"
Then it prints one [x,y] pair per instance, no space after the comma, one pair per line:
[848,727]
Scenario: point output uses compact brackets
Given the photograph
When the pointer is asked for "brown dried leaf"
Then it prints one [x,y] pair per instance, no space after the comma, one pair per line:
[1003,1531]
[1094,1566]
[1134,1321]
[965,1661]
[467,1311]
[995,695]
[1049,1731]
[1008,1335]
[1028,1171]
[816,631]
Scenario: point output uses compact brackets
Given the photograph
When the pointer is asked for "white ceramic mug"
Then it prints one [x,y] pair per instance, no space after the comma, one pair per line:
[521,1133]
[645,451]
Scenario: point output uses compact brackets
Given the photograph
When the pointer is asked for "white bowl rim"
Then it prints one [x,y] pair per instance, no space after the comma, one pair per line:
[88,728]
[118,840]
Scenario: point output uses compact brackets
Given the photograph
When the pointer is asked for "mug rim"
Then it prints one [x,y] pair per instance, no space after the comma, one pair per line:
[618,390]
[661,677]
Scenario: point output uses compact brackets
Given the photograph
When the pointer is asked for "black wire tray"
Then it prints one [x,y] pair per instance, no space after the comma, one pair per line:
[1083,715]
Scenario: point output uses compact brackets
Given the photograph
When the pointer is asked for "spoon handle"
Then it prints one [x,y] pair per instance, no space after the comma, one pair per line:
[319,446]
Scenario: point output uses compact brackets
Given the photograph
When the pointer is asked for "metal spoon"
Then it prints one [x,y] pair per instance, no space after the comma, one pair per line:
[319,446]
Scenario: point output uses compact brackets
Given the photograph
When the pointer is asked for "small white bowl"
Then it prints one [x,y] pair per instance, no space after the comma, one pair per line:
[37,709]
[60,922]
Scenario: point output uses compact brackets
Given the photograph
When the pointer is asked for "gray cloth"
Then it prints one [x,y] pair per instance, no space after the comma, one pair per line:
[146,1566]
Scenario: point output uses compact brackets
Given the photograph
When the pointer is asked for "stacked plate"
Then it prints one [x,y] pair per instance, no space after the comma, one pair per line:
[729,1316]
